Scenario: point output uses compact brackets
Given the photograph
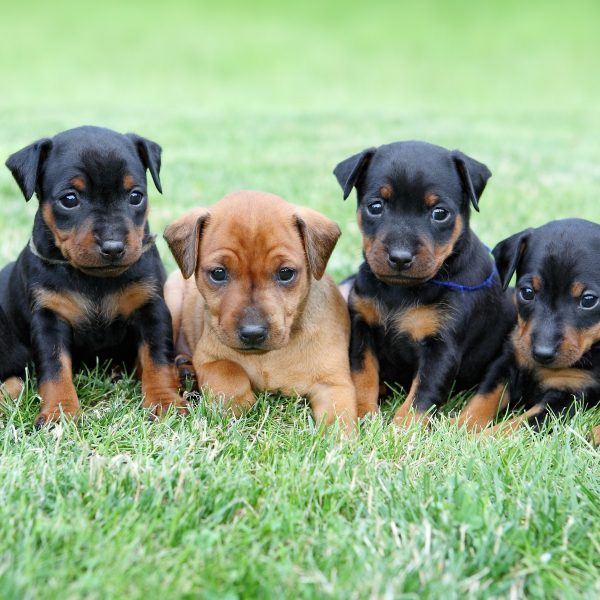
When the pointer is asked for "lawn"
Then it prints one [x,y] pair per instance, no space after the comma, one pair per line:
[271,96]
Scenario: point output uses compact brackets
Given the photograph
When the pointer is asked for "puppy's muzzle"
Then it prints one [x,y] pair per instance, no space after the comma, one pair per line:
[400,259]
[545,346]
[253,335]
[543,355]
[112,250]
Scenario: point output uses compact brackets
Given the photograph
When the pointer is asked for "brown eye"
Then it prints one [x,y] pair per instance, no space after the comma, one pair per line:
[439,215]
[375,208]
[218,275]
[286,275]
[69,201]
[588,301]
[136,198]
[527,294]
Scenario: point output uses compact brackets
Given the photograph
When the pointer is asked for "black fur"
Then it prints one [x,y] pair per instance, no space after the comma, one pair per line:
[28,333]
[558,255]
[475,323]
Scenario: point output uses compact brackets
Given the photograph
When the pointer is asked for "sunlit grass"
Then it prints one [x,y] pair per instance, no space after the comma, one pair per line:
[271,96]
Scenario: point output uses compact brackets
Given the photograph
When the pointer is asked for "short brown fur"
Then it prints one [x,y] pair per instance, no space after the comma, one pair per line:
[306,350]
[483,408]
[78,183]
[366,382]
[577,289]
[58,395]
[128,183]
[419,322]
[368,309]
[76,309]
[159,384]
[431,200]
[406,414]
[385,191]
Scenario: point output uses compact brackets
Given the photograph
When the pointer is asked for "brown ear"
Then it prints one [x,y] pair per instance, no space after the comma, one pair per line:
[183,238]
[319,235]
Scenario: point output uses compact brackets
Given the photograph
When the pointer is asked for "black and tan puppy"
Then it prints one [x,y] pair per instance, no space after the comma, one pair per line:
[89,283]
[253,306]
[427,306]
[553,355]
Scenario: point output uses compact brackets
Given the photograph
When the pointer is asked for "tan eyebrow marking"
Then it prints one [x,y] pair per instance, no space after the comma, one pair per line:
[128,182]
[431,199]
[385,191]
[78,183]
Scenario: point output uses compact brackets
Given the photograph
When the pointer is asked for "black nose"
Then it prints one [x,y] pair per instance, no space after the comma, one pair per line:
[400,259]
[543,354]
[252,335]
[112,249]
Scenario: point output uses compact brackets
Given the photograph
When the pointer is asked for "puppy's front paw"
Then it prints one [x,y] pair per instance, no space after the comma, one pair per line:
[51,411]
[159,387]
[159,402]
[404,421]
[58,397]
[12,387]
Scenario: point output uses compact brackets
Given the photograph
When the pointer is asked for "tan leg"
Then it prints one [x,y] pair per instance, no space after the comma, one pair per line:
[406,414]
[506,428]
[482,408]
[596,435]
[12,387]
[58,395]
[159,384]
[227,380]
[329,402]
[174,293]
[366,383]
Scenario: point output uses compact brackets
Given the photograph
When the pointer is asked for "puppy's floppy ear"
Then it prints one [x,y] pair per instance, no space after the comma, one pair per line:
[348,171]
[26,164]
[319,236]
[473,174]
[149,153]
[508,253]
[183,238]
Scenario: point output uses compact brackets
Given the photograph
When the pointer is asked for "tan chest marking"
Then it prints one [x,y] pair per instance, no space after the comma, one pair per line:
[129,299]
[368,309]
[565,379]
[419,322]
[77,309]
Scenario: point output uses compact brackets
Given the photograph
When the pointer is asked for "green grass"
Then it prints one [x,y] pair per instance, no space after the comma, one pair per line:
[271,96]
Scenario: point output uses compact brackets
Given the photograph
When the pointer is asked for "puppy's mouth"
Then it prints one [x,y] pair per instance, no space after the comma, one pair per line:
[402,280]
[101,267]
[109,271]
[252,350]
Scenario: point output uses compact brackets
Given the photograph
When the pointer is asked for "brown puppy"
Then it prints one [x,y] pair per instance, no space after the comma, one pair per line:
[261,315]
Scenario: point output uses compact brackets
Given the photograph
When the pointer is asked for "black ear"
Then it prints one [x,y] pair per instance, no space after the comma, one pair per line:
[508,253]
[150,153]
[473,174]
[349,170]
[26,164]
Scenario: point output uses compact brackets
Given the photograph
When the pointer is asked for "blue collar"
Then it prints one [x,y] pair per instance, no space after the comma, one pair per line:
[486,283]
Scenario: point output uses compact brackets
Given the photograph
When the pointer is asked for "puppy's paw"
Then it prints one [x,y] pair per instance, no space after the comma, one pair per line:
[50,413]
[12,387]
[471,425]
[404,421]
[158,403]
